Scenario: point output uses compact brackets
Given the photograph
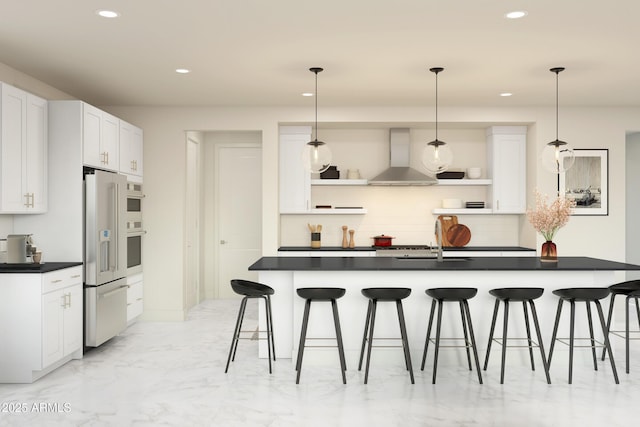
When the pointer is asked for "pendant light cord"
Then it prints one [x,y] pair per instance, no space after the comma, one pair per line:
[436,106]
[557,102]
[316,96]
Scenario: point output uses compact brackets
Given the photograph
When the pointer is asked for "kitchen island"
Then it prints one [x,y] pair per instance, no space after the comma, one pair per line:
[286,274]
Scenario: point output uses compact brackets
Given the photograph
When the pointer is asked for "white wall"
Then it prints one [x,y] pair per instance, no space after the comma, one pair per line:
[632,226]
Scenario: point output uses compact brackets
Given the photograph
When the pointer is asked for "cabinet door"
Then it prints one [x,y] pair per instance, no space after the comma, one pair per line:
[52,327]
[36,154]
[91,136]
[110,140]
[131,145]
[13,124]
[295,181]
[72,319]
[507,164]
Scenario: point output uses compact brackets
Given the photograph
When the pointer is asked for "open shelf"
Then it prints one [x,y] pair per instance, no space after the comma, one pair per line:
[339,182]
[468,211]
[464,182]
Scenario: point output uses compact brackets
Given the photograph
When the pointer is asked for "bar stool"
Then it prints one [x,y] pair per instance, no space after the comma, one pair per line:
[252,290]
[524,295]
[384,294]
[631,289]
[320,294]
[588,296]
[460,295]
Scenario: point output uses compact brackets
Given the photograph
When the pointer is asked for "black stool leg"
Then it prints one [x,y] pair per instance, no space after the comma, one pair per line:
[473,340]
[526,324]
[303,337]
[435,355]
[426,341]
[571,335]
[626,328]
[555,332]
[537,327]
[505,324]
[336,320]
[364,335]
[607,344]
[236,333]
[466,334]
[493,327]
[270,326]
[593,341]
[638,311]
[266,315]
[405,340]
[609,316]
[374,306]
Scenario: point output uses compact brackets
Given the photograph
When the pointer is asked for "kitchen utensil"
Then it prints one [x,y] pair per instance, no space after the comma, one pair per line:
[382,240]
[474,173]
[452,203]
[352,243]
[345,243]
[315,240]
[447,221]
[458,235]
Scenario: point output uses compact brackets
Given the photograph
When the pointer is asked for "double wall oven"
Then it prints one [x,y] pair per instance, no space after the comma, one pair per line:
[135,230]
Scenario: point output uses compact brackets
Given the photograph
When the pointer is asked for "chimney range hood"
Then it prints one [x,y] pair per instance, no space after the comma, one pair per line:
[399,172]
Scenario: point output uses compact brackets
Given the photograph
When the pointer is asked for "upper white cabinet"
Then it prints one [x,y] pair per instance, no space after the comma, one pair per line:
[23,141]
[507,165]
[295,181]
[101,136]
[131,144]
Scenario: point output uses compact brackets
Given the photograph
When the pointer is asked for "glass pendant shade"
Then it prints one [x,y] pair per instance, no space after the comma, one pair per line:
[316,156]
[557,157]
[437,157]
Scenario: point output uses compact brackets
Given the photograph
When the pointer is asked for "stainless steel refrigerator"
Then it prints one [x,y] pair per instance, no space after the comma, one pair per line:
[105,256]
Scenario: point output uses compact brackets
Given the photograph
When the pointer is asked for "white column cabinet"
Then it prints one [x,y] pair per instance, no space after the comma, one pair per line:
[295,181]
[23,141]
[506,165]
[131,147]
[101,138]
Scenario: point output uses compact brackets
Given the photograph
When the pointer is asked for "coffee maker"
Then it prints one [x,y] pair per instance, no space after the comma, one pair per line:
[20,249]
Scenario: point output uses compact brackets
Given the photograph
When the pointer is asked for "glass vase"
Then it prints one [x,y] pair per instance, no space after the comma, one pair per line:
[549,252]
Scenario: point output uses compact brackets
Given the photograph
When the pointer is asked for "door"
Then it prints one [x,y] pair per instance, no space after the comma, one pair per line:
[239,213]
[13,130]
[192,220]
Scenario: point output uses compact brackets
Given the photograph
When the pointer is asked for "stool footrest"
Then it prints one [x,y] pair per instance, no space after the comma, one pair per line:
[532,343]
[599,343]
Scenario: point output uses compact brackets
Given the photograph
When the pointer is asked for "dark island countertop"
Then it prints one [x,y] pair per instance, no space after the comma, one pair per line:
[46,267]
[431,264]
[373,248]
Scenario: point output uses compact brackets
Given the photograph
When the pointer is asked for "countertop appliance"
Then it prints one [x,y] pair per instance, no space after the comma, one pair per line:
[20,249]
[105,256]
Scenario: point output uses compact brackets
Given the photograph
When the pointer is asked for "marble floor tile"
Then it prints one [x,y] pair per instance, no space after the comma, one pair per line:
[172,374]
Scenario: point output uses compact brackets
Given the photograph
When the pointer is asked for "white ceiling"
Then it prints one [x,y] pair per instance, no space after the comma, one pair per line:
[375,52]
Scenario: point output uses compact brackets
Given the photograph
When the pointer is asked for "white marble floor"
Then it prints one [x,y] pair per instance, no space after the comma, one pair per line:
[172,374]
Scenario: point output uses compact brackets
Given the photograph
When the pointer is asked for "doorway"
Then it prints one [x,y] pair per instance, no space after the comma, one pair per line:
[632,202]
[192,294]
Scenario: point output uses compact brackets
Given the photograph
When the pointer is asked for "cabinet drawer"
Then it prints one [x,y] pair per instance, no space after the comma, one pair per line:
[134,292]
[59,279]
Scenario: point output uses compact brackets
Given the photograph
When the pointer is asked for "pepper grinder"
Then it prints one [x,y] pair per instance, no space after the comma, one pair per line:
[345,244]
[352,243]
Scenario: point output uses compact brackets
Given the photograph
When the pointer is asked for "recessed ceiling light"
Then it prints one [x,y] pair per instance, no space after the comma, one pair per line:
[182,71]
[307,94]
[516,14]
[108,13]
[506,94]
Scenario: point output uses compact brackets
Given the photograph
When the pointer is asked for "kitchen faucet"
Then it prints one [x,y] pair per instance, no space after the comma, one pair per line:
[438,233]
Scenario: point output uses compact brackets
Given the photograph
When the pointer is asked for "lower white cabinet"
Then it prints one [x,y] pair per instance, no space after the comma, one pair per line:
[135,301]
[45,313]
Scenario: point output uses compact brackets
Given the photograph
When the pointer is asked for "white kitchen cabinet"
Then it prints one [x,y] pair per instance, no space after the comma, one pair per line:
[131,146]
[23,140]
[46,314]
[295,181]
[135,300]
[507,166]
[101,138]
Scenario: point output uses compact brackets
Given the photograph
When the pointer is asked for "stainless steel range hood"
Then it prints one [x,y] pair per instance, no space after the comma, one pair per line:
[399,172]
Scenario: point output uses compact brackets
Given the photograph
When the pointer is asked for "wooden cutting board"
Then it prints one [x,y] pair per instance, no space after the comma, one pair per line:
[458,235]
[447,222]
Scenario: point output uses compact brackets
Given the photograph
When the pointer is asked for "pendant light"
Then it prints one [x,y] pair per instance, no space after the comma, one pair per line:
[316,155]
[557,156]
[437,156]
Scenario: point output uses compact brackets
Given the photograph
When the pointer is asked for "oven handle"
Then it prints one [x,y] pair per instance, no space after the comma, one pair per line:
[136,233]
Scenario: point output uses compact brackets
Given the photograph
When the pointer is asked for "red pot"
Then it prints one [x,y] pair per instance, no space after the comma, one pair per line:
[382,240]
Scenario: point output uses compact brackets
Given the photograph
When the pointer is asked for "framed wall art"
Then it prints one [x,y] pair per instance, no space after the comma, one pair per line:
[587,182]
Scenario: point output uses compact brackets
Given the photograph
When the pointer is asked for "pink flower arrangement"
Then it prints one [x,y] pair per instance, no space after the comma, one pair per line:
[548,218]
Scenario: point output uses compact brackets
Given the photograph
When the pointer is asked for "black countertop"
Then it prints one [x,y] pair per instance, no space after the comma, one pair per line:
[408,264]
[36,268]
[372,248]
